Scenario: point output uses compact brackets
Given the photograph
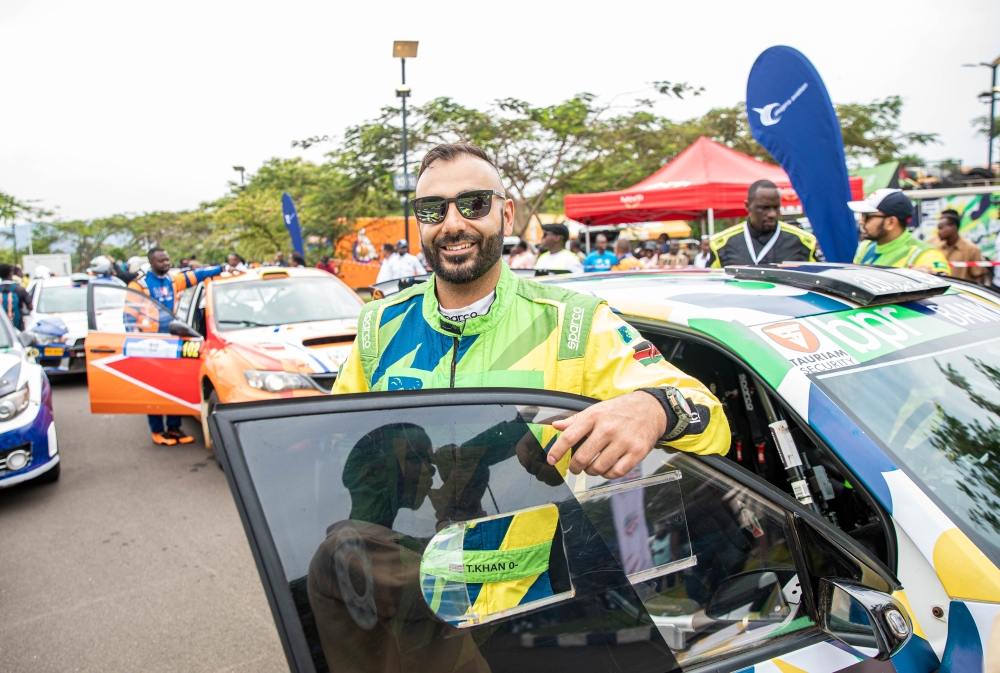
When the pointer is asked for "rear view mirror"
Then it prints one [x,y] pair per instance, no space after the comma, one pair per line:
[863,617]
[757,595]
[485,569]
[180,329]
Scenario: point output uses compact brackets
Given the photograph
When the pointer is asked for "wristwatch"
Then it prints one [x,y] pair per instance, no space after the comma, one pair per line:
[674,405]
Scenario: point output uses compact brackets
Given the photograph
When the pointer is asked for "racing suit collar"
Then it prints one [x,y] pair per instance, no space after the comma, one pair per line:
[506,291]
[904,240]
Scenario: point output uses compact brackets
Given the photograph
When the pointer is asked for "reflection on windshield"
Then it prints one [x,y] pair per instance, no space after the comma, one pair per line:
[282,301]
[62,299]
[938,414]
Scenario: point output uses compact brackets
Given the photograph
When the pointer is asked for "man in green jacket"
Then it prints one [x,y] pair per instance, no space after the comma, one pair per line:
[476,324]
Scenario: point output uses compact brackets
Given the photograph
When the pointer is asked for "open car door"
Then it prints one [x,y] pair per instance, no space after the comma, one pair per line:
[425,531]
[140,359]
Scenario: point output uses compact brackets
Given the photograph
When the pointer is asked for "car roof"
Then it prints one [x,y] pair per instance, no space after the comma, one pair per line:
[262,272]
[676,296]
[735,295]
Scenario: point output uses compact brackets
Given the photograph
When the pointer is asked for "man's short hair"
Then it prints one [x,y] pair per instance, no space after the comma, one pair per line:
[5,271]
[388,247]
[623,245]
[153,251]
[450,152]
[950,215]
[760,184]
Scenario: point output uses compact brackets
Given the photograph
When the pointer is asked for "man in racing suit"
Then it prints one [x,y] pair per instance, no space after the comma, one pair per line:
[163,287]
[476,324]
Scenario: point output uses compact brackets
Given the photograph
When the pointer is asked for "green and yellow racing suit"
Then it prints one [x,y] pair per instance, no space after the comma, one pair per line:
[533,336]
[903,252]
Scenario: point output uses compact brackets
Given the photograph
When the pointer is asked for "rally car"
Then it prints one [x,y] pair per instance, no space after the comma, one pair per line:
[59,321]
[29,449]
[850,527]
[265,334]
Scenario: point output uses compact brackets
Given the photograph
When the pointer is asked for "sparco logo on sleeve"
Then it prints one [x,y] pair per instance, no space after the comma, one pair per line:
[575,324]
[366,331]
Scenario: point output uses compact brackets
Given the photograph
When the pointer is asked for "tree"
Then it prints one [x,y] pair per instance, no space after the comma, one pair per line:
[872,130]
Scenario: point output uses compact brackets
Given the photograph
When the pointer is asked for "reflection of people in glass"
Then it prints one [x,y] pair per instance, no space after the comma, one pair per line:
[363,581]
[716,539]
[660,544]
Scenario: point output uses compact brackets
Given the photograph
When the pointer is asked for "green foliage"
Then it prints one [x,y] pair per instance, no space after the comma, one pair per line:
[872,130]
[981,125]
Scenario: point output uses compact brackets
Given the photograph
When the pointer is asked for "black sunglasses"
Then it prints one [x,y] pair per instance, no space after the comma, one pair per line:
[868,216]
[471,205]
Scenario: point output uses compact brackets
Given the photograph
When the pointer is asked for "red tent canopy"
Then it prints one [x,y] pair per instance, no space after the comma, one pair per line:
[705,175]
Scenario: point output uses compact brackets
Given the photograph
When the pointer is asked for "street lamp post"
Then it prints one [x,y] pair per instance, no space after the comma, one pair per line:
[241,170]
[991,95]
[403,51]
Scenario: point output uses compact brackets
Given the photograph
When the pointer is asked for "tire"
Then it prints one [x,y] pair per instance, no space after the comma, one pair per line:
[51,476]
[207,407]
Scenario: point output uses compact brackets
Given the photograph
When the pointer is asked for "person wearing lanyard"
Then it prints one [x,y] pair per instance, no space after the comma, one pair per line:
[762,239]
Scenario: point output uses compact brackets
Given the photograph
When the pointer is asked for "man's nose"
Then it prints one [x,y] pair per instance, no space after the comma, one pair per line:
[453,220]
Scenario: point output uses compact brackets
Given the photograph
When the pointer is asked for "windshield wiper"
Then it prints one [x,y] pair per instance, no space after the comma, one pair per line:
[248,323]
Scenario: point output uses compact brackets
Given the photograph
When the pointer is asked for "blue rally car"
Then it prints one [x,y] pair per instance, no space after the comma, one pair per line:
[852,525]
[28,445]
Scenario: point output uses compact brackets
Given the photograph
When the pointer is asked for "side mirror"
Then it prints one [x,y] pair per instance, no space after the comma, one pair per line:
[180,329]
[864,617]
[757,595]
[27,339]
[478,571]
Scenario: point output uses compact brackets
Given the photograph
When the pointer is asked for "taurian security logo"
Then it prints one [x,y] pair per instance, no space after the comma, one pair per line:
[794,336]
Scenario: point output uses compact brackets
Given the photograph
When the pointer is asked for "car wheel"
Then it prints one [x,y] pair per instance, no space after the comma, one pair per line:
[207,407]
[50,476]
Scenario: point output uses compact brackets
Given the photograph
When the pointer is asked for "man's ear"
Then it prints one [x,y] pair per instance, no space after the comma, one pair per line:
[746,204]
[507,217]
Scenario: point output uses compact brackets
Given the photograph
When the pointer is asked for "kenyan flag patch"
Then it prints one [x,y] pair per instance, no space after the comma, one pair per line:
[646,353]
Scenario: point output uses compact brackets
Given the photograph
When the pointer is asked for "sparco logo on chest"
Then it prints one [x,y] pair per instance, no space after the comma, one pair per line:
[366,331]
[575,324]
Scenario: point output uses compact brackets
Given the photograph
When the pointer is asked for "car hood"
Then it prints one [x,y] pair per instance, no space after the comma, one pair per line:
[75,322]
[311,348]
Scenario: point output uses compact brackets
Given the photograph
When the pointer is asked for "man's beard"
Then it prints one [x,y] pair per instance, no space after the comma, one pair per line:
[877,235]
[466,268]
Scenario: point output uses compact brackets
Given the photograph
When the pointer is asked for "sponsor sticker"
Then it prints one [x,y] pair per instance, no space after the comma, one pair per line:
[793,335]
[809,351]
[166,349]
[786,445]
[191,349]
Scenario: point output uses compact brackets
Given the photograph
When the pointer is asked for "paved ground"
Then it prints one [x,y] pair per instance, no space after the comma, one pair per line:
[135,560]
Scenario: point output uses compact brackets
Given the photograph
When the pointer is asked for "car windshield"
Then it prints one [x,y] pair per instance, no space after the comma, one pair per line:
[262,303]
[936,409]
[61,299]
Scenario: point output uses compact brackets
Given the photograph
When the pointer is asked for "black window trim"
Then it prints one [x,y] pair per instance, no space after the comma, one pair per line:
[676,331]
[226,417]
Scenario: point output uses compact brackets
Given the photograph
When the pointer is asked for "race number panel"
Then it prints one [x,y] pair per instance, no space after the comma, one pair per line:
[134,366]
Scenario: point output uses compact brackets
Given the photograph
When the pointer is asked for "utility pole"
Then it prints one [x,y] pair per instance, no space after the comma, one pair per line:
[404,50]
[991,96]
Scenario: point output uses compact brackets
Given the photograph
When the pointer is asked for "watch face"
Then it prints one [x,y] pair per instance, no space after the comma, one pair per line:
[681,401]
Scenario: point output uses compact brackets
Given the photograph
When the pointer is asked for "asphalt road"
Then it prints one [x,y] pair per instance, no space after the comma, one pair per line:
[135,560]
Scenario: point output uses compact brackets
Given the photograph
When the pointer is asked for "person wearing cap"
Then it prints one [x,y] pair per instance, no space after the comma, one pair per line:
[957,248]
[763,238]
[886,239]
[601,259]
[400,264]
[649,254]
[556,257]
[477,324]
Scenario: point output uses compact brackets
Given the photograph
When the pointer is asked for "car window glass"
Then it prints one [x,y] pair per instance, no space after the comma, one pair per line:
[123,311]
[184,300]
[681,530]
[933,408]
[61,299]
[281,301]
[352,500]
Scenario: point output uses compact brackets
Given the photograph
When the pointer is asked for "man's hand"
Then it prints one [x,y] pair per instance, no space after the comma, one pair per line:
[620,433]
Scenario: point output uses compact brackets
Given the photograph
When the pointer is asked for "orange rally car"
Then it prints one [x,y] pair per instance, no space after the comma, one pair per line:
[264,334]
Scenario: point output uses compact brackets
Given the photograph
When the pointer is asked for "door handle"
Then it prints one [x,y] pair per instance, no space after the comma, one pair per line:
[103,350]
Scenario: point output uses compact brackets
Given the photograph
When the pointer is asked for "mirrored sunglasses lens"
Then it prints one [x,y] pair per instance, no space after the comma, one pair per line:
[474,206]
[429,212]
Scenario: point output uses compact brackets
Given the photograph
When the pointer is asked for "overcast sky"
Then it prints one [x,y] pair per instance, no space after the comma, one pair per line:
[127,107]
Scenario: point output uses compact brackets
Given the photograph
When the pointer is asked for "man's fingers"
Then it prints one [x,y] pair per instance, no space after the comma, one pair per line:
[574,429]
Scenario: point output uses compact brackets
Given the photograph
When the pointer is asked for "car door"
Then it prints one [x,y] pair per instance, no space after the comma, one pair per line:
[424,531]
[140,359]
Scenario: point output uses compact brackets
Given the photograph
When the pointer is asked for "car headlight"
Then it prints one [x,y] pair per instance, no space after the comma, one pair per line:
[275,382]
[13,404]
[42,339]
